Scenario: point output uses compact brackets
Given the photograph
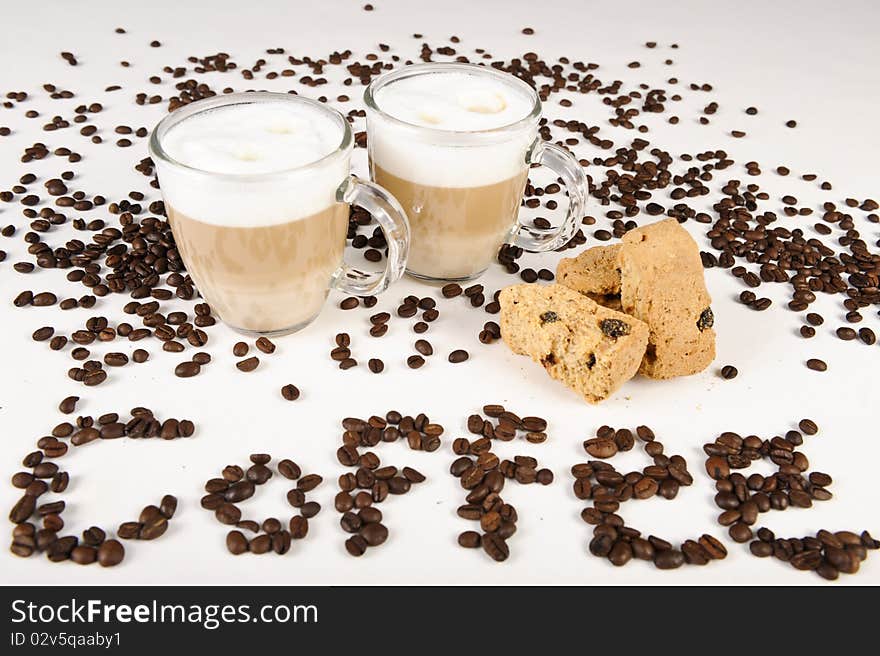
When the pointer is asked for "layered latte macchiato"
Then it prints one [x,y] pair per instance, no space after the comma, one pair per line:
[438,141]
[250,190]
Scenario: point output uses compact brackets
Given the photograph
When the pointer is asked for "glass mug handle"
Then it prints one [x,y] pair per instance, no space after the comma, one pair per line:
[563,163]
[392,220]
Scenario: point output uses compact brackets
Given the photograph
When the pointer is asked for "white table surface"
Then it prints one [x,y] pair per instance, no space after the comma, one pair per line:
[798,60]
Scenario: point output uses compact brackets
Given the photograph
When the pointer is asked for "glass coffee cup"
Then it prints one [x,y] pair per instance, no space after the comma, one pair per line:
[454,144]
[257,188]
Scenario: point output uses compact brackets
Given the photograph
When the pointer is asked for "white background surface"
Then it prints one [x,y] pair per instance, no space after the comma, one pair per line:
[792,60]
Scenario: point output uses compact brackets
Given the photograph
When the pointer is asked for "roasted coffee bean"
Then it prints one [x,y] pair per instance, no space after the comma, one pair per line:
[374,534]
[281,542]
[68,405]
[808,427]
[168,506]
[309,509]
[218,485]
[601,447]
[22,479]
[211,501]
[816,364]
[343,502]
[800,499]
[412,475]
[236,542]
[340,354]
[495,546]
[290,392]
[299,527]
[740,532]
[110,553]
[642,549]
[239,491]
[289,469]
[694,553]
[84,436]
[668,559]
[61,548]
[154,529]
[624,439]
[187,369]
[93,378]
[265,345]
[712,547]
[44,299]
[621,553]
[459,355]
[261,544]
[228,513]
[128,530]
[601,545]
[45,470]
[469,539]
[471,477]
[271,525]
[356,545]
[350,522]
[248,364]
[23,509]
[83,555]
[544,476]
[258,474]
[424,347]
[309,482]
[296,498]
[717,467]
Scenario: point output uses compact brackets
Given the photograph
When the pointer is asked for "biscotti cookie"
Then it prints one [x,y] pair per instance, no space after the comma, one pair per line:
[590,348]
[662,284]
[593,273]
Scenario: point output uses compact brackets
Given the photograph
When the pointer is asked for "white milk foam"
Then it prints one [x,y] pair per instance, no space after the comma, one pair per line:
[252,138]
[454,101]
[452,104]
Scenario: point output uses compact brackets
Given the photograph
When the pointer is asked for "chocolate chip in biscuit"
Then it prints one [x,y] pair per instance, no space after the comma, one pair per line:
[706,320]
[614,328]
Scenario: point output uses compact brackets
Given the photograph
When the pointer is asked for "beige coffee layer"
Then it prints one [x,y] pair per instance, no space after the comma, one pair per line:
[263,278]
[455,231]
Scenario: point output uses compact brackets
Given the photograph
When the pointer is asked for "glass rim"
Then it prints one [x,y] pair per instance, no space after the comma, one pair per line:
[472,69]
[158,153]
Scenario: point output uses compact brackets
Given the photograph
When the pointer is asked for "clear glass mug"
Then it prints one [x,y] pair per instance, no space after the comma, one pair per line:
[264,249]
[462,190]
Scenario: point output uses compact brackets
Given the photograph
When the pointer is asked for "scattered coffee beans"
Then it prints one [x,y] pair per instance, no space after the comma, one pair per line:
[360,517]
[237,484]
[607,489]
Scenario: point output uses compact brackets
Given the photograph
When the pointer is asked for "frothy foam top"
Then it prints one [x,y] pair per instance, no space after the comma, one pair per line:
[253,138]
[453,103]
[454,100]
